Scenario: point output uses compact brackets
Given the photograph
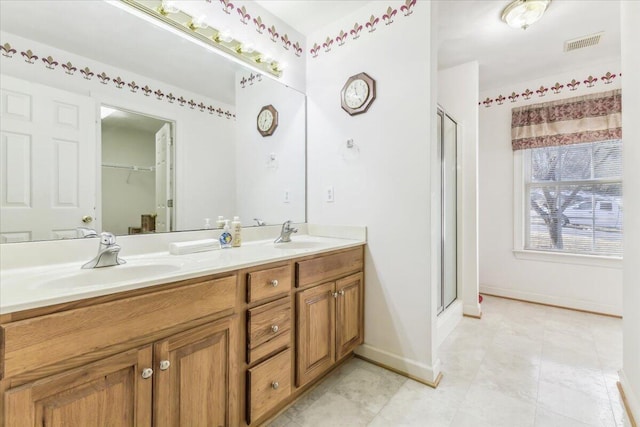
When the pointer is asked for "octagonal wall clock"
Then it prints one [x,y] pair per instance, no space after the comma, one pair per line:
[358,94]
[267,120]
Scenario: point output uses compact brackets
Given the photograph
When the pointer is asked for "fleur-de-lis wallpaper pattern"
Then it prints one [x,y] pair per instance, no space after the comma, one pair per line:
[370,23]
[50,64]
[556,89]
[245,16]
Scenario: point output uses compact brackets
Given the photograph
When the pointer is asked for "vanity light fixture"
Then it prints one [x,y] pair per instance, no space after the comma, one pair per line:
[166,14]
[523,13]
[198,23]
[167,7]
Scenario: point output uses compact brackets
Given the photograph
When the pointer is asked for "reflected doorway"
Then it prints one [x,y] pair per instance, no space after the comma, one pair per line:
[137,172]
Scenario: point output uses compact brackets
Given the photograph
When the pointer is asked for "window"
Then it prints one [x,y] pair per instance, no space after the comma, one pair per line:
[568,171]
[574,194]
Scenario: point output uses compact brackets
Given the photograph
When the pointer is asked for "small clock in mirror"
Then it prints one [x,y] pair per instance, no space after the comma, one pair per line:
[267,120]
[358,93]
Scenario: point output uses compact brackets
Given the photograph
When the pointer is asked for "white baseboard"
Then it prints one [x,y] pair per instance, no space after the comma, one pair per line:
[411,368]
[448,320]
[473,310]
[632,402]
[590,306]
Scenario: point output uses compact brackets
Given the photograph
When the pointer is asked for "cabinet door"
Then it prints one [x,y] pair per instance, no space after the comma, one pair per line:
[349,314]
[315,319]
[196,377]
[111,392]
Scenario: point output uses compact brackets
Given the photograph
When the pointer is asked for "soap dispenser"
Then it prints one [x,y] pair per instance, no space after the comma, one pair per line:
[236,232]
[225,237]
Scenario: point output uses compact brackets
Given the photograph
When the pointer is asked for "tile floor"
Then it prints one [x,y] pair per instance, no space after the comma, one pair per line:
[520,365]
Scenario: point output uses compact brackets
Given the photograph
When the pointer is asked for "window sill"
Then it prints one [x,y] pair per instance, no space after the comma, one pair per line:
[592,260]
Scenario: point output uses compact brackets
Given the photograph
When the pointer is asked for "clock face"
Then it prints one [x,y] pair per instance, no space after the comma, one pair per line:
[356,93]
[265,120]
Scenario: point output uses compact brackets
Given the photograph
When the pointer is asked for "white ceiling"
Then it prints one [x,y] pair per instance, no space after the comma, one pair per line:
[472,30]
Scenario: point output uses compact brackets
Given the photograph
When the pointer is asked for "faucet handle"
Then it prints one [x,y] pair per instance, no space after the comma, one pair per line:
[107,238]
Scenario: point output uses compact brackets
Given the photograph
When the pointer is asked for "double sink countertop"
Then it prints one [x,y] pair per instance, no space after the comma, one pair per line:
[27,287]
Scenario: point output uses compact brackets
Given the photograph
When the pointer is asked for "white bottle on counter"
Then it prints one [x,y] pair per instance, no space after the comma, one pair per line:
[236,232]
[220,221]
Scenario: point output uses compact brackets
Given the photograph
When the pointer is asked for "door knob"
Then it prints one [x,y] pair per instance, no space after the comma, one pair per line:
[334,294]
[275,385]
[146,373]
[341,292]
[274,328]
[274,283]
[87,219]
[164,365]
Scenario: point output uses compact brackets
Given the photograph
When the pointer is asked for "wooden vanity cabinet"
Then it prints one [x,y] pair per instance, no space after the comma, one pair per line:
[225,350]
[194,372]
[165,358]
[329,325]
[109,392]
[329,315]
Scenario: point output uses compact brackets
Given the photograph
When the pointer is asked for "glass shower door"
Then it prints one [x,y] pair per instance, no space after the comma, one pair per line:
[447,140]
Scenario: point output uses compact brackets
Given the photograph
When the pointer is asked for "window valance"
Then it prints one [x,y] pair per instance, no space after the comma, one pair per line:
[588,118]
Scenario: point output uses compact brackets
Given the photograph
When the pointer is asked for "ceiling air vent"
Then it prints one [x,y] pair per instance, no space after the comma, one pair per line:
[580,42]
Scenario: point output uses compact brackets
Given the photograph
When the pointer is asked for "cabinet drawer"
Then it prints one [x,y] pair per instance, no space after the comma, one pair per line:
[268,328]
[33,343]
[268,283]
[328,267]
[268,384]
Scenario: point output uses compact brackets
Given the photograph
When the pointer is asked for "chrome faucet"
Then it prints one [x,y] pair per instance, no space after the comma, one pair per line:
[285,233]
[108,253]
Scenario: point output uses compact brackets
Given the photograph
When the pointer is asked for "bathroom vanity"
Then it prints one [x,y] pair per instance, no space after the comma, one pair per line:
[231,338]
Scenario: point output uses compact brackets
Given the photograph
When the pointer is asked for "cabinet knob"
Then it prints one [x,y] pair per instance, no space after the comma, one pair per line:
[341,292]
[275,385]
[274,328]
[333,294]
[146,373]
[274,282]
[164,365]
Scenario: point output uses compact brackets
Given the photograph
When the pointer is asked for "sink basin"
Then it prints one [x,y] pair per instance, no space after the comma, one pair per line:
[133,270]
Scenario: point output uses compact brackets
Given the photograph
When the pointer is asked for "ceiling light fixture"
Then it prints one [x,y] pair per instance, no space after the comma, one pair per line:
[523,13]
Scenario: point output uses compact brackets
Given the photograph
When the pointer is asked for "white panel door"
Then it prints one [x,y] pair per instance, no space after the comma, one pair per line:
[163,178]
[47,162]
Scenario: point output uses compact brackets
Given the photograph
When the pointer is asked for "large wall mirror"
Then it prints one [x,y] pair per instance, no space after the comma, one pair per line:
[112,123]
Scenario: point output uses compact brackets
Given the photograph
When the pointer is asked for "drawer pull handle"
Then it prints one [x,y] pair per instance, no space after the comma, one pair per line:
[274,328]
[146,373]
[274,283]
[275,385]
[164,365]
[341,292]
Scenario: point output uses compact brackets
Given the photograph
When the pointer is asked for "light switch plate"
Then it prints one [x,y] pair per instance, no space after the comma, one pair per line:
[328,196]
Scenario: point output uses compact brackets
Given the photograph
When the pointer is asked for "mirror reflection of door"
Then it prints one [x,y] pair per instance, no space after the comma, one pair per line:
[136,172]
[47,162]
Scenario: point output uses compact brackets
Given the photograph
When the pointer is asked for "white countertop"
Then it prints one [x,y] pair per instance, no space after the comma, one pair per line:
[31,287]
